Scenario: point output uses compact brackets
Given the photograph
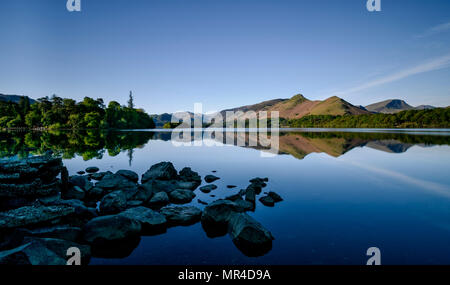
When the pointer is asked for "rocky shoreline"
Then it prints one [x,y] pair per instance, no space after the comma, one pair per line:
[44,211]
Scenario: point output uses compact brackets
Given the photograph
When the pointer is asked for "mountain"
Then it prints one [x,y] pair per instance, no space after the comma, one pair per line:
[424,107]
[298,106]
[13,98]
[389,106]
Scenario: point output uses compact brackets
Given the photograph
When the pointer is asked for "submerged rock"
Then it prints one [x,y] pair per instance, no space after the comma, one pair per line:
[160,171]
[208,188]
[181,196]
[249,236]
[81,172]
[211,178]
[182,215]
[30,215]
[231,186]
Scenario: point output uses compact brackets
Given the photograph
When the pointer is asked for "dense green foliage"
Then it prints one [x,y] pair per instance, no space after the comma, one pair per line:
[59,113]
[435,118]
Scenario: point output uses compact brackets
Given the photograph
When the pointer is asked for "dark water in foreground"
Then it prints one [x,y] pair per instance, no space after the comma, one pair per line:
[343,193]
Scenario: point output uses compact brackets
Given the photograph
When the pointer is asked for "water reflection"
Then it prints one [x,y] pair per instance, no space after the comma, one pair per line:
[91,144]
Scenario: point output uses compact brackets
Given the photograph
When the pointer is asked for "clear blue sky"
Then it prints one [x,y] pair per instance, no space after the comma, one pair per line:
[226,53]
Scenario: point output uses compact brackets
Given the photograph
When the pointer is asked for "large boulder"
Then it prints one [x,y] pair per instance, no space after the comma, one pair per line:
[35,214]
[160,171]
[113,203]
[43,251]
[128,174]
[110,228]
[181,215]
[249,236]
[181,196]
[151,221]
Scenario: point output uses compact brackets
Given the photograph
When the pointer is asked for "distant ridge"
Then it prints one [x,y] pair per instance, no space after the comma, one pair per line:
[13,98]
[299,106]
[394,106]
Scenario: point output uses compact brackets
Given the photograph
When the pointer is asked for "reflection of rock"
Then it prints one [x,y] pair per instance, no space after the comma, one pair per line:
[43,251]
[30,215]
[249,236]
[182,215]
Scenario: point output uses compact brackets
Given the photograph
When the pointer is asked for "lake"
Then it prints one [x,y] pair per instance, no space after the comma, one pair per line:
[344,191]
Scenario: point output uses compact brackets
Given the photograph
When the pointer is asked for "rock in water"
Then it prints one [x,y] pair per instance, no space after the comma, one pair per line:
[128,174]
[159,199]
[151,221]
[182,215]
[215,217]
[43,251]
[113,203]
[81,181]
[161,171]
[208,188]
[115,182]
[267,201]
[92,169]
[275,196]
[30,215]
[63,232]
[211,178]
[249,236]
[110,228]
[181,196]
[187,175]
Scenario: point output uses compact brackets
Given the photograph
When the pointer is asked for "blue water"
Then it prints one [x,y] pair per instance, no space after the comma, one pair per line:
[340,198]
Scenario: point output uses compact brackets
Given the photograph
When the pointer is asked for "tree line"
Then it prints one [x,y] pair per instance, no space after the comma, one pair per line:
[59,113]
[433,118]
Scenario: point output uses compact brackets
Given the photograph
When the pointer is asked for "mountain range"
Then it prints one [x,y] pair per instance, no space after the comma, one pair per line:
[298,106]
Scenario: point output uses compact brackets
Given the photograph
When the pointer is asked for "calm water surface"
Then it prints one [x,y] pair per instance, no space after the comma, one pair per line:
[343,193]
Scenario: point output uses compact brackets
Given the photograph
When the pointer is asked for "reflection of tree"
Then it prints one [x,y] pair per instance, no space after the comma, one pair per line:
[87,144]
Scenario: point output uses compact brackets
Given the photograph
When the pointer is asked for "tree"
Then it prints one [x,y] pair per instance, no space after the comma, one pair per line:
[131,101]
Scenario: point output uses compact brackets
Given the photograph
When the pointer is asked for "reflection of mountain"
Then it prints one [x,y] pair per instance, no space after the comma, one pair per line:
[391,146]
[92,144]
